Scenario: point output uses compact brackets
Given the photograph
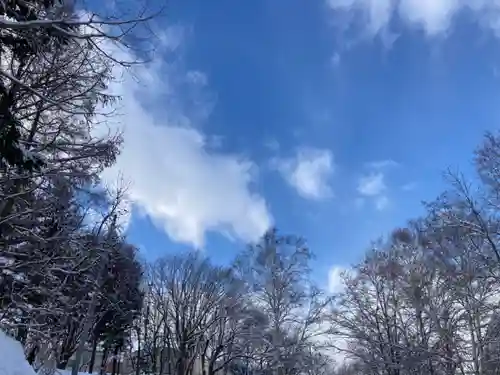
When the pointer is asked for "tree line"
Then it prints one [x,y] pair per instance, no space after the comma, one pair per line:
[422,300]
[263,314]
[69,277]
[425,299]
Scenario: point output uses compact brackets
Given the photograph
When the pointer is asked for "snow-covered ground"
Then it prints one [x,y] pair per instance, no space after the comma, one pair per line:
[68,372]
[12,360]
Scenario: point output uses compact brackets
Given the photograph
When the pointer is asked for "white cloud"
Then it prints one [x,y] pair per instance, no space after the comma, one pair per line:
[335,283]
[308,172]
[183,185]
[372,186]
[197,78]
[433,16]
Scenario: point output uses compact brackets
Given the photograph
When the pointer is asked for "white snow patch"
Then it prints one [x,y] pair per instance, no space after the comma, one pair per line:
[68,372]
[13,361]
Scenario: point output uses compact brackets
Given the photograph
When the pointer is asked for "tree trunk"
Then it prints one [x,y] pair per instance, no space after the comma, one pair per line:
[63,362]
[22,331]
[89,317]
[138,358]
[104,360]
[162,355]
[92,356]
[180,365]
[32,355]
[115,357]
[154,357]
[169,357]
[87,326]
[213,359]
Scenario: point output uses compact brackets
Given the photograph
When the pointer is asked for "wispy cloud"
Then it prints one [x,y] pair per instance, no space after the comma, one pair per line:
[381,202]
[335,284]
[409,186]
[336,59]
[272,145]
[372,187]
[336,275]
[434,17]
[372,184]
[177,179]
[308,172]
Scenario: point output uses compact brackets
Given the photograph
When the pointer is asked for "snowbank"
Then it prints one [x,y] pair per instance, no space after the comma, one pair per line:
[68,372]
[12,360]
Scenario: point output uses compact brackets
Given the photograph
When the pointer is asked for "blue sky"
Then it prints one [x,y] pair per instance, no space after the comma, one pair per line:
[330,119]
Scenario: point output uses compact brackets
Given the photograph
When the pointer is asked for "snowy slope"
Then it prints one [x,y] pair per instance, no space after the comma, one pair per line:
[12,360]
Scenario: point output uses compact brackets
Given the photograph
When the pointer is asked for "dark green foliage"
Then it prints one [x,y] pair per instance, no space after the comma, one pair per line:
[22,45]
[121,299]
[11,152]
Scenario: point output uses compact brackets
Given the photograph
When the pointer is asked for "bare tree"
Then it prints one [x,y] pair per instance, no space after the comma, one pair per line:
[277,270]
[420,302]
[188,299]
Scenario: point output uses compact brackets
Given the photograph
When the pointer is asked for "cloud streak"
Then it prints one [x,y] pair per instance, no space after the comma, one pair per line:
[434,17]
